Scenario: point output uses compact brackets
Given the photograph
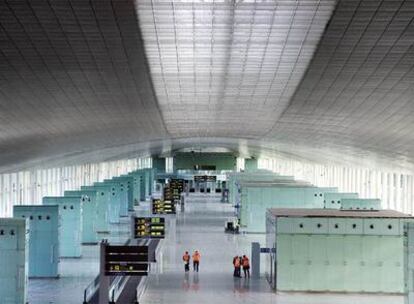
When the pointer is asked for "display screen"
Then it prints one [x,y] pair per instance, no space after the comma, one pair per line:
[149,227]
[126,260]
[205,178]
[163,207]
[174,189]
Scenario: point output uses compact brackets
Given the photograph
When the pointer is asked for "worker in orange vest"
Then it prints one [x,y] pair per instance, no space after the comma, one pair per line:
[186,259]
[196,260]
[246,266]
[236,264]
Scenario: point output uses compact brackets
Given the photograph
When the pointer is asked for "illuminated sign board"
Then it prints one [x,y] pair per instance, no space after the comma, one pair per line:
[162,207]
[149,227]
[126,260]
[174,189]
[205,178]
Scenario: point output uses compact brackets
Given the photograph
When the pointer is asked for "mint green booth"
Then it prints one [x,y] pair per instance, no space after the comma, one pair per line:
[70,230]
[125,182]
[236,179]
[89,214]
[138,186]
[14,257]
[326,250]
[43,238]
[120,197]
[102,195]
[114,206]
[256,198]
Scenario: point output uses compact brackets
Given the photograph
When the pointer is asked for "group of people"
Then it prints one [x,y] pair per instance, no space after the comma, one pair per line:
[239,263]
[196,260]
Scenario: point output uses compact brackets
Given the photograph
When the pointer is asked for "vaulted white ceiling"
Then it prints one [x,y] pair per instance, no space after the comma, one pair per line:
[228,68]
[93,80]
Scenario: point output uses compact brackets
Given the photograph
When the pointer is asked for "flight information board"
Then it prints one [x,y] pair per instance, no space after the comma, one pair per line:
[149,227]
[174,189]
[163,207]
[168,195]
[126,260]
[205,178]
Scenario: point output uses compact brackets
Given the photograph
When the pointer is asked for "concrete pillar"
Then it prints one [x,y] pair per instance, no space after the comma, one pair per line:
[255,261]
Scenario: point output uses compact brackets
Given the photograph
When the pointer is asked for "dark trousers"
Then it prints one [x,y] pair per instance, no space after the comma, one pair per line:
[246,271]
[195,265]
[237,271]
[187,267]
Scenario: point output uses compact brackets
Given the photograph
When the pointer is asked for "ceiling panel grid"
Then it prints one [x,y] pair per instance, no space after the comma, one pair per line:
[357,93]
[219,65]
[73,79]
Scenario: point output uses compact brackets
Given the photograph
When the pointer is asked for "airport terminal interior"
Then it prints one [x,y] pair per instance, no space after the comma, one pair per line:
[206,151]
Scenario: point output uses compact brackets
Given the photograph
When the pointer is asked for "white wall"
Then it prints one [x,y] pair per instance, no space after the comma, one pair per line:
[393,188]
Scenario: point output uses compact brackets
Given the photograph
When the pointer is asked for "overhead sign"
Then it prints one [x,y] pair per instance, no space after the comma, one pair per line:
[168,196]
[126,260]
[162,207]
[174,189]
[149,227]
[205,178]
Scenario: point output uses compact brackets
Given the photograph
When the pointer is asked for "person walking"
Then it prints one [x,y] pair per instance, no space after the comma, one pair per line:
[186,259]
[196,260]
[236,264]
[246,266]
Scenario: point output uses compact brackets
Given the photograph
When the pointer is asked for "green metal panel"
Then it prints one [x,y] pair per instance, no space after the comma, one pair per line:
[367,260]
[409,262]
[89,214]
[121,194]
[333,200]
[255,200]
[70,230]
[360,204]
[138,186]
[14,249]
[283,271]
[130,182]
[125,183]
[114,201]
[102,196]
[147,178]
[43,238]
[235,179]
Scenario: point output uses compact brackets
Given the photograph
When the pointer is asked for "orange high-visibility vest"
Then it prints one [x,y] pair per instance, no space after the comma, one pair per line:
[186,257]
[246,262]
[196,257]
[237,263]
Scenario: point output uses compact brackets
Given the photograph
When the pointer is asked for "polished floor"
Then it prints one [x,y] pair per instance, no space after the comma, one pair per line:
[201,227]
